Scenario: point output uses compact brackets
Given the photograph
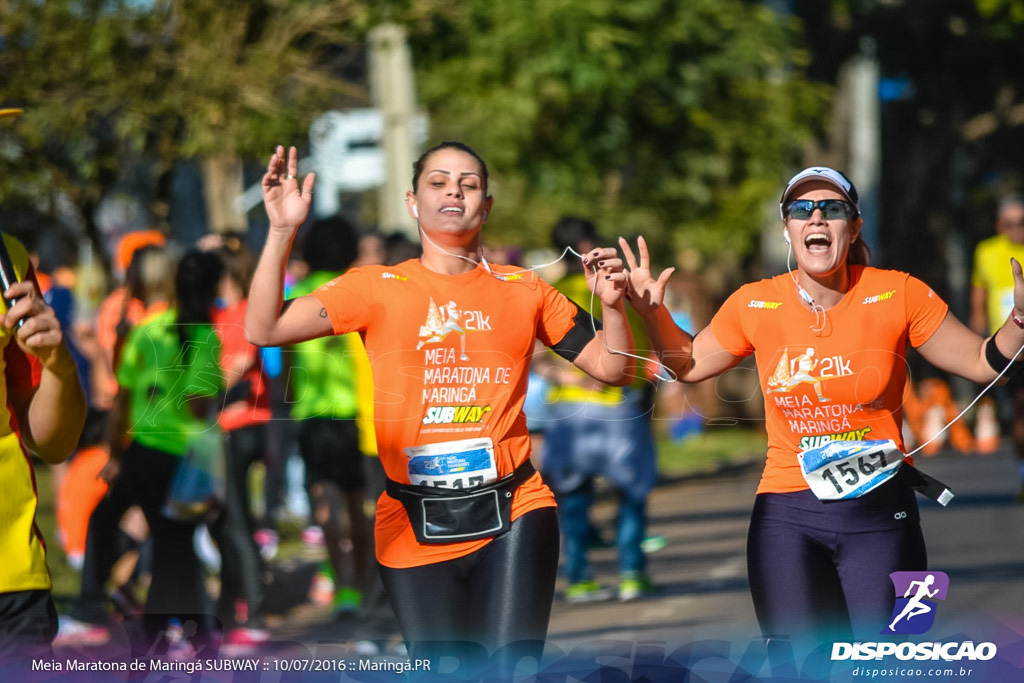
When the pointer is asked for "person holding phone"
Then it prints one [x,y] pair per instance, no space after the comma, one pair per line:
[42,413]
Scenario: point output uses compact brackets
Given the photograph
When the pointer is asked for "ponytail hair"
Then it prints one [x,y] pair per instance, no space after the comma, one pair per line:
[198,275]
[859,254]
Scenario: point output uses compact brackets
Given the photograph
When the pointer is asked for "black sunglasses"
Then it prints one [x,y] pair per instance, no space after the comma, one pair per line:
[831,209]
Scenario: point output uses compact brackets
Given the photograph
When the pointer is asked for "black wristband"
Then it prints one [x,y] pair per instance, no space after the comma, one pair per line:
[996,360]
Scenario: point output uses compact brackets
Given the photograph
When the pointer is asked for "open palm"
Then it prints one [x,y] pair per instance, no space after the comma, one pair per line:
[1018,285]
[646,292]
[286,203]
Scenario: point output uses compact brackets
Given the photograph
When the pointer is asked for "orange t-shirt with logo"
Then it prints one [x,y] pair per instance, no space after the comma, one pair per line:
[832,376]
[450,359]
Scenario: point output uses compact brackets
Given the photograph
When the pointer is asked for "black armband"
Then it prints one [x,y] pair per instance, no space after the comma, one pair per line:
[584,329]
[997,361]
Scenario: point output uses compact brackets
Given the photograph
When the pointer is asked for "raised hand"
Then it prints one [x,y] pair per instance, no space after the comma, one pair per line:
[606,276]
[646,293]
[287,204]
[1018,287]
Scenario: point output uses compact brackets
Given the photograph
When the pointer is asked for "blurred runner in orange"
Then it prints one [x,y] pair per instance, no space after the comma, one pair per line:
[119,312]
[81,488]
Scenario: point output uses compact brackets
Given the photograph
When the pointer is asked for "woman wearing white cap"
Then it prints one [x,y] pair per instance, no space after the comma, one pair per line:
[835,512]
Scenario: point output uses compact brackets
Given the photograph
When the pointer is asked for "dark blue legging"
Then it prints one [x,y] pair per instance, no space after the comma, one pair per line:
[831,582]
[496,596]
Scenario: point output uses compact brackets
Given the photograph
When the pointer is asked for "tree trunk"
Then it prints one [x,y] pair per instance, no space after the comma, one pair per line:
[222,185]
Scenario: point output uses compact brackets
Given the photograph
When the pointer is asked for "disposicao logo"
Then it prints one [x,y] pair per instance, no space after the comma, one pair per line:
[914,613]
[916,593]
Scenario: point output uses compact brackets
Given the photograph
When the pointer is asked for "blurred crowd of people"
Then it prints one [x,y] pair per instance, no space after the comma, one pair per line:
[165,357]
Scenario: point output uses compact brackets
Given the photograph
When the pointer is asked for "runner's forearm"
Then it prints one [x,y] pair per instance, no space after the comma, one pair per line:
[673,345]
[616,364]
[266,293]
[56,412]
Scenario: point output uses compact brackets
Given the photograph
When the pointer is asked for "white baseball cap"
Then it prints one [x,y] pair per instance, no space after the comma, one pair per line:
[823,173]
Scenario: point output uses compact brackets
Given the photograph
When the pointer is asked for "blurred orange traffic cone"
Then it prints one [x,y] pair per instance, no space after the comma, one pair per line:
[932,437]
[939,423]
[913,416]
[986,427]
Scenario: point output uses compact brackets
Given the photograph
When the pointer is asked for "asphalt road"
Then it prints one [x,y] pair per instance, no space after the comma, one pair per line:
[700,624]
[978,540]
[703,599]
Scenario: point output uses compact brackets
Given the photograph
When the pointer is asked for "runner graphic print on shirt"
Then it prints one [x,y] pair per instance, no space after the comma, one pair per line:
[790,374]
[450,389]
[439,325]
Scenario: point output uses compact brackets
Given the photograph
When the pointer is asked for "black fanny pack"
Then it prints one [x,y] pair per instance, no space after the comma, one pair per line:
[440,515]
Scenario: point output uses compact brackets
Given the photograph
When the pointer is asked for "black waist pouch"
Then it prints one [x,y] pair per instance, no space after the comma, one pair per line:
[440,515]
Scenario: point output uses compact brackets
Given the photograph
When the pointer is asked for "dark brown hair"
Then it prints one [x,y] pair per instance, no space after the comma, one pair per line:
[195,284]
[419,164]
[859,253]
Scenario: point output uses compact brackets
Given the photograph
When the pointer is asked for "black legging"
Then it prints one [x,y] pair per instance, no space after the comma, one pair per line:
[241,566]
[496,597]
[811,584]
[177,577]
[176,588]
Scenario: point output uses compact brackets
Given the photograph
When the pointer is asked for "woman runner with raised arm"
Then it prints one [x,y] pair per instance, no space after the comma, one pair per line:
[835,511]
[466,533]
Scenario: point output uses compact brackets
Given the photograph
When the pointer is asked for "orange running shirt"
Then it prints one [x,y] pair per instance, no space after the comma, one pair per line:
[111,311]
[844,382]
[450,355]
[235,350]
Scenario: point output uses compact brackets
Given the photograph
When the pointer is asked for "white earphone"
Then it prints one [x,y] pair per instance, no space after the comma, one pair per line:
[785,235]
[805,296]
[415,211]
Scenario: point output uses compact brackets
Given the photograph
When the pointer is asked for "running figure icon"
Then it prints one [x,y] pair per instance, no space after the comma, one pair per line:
[437,327]
[916,605]
[798,371]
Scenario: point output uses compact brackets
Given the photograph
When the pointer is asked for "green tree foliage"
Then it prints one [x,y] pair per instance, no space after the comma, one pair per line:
[952,127]
[674,119]
[107,84]
[1013,9]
